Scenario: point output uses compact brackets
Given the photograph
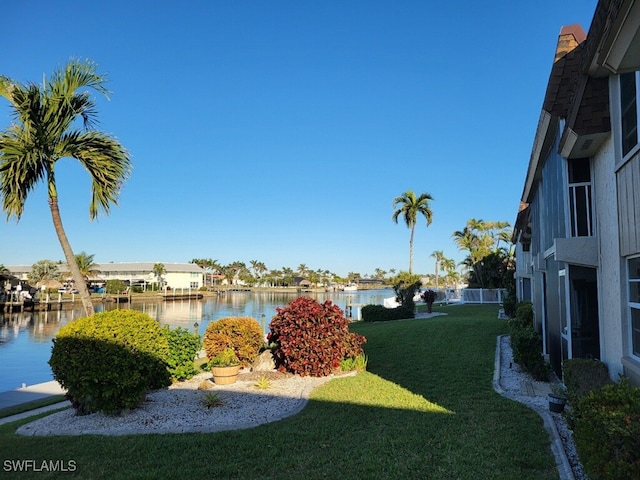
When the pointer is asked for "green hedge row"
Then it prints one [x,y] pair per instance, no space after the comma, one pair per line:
[526,343]
[606,427]
[379,313]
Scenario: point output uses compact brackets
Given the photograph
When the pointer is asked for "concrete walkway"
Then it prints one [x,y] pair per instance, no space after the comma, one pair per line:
[532,389]
[30,393]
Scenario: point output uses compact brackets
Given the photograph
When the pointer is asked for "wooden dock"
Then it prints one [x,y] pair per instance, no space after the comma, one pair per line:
[21,306]
[181,296]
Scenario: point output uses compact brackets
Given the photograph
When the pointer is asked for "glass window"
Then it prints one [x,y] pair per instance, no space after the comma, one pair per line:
[628,111]
[580,197]
[634,303]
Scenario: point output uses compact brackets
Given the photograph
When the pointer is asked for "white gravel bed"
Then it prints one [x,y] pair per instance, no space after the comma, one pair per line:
[511,380]
[180,409]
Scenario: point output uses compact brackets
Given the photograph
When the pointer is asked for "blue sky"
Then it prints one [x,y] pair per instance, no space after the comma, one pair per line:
[282,131]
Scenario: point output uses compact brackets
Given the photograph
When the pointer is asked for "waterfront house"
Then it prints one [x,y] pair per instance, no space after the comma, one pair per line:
[578,227]
[176,276]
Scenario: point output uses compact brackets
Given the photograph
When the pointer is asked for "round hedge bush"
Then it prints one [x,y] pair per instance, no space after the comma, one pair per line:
[108,361]
[242,334]
[312,338]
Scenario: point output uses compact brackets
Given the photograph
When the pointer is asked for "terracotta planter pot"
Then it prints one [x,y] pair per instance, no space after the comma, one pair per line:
[225,375]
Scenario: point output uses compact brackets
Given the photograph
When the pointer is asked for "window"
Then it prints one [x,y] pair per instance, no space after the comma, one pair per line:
[194,285]
[628,111]
[580,197]
[634,303]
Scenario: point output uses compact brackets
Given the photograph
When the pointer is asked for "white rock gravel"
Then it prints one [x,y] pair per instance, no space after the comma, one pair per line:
[180,409]
[509,379]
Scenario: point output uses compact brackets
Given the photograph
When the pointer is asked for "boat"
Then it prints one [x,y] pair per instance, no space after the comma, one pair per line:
[350,288]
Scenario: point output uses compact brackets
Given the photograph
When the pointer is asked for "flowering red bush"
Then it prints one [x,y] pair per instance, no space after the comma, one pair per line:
[429,296]
[311,338]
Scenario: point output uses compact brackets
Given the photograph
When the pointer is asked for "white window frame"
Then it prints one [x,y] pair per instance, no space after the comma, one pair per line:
[615,92]
[572,218]
[631,307]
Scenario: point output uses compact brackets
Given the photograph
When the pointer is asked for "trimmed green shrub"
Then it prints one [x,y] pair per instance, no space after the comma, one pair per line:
[115,286]
[607,432]
[379,313]
[183,348]
[242,334]
[108,361]
[311,338]
[510,305]
[526,343]
[582,375]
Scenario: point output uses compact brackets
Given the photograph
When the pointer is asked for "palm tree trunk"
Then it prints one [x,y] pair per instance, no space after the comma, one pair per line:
[78,279]
[411,250]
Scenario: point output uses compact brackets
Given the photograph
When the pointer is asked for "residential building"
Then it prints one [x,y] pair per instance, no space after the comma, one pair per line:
[176,276]
[578,228]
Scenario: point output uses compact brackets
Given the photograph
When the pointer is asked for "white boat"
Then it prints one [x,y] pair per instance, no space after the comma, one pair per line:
[350,288]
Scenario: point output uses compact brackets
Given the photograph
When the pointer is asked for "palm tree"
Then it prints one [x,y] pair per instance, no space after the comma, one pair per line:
[44,131]
[439,256]
[409,207]
[159,270]
[86,265]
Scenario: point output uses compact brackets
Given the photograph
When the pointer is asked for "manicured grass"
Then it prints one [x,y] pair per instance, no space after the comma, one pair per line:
[424,410]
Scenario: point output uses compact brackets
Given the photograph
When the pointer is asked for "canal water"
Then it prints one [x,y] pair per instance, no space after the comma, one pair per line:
[25,338]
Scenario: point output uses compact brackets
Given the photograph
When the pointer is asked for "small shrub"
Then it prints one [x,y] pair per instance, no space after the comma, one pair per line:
[108,361]
[311,338]
[226,358]
[510,305]
[263,383]
[581,376]
[607,432]
[115,286]
[242,334]
[358,363]
[526,343]
[183,348]
[379,313]
[212,399]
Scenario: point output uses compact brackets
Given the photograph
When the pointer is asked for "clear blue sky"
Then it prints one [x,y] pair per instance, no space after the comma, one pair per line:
[281,131]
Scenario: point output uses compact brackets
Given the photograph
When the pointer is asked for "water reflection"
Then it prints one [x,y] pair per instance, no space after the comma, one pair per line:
[25,338]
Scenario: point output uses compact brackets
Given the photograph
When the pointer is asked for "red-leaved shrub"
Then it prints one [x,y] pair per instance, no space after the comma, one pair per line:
[311,337]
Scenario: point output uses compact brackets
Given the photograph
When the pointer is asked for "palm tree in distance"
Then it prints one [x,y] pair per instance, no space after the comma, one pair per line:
[86,265]
[159,270]
[439,256]
[43,131]
[409,206]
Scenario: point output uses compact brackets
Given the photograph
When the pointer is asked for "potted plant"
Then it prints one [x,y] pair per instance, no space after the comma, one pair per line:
[429,296]
[557,399]
[225,367]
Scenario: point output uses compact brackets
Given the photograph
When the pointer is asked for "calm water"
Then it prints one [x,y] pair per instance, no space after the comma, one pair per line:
[25,338]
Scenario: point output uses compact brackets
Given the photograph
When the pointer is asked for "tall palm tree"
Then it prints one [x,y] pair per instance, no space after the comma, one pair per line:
[439,256]
[43,131]
[410,206]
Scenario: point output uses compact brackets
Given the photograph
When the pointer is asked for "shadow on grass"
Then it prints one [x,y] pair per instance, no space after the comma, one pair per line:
[393,421]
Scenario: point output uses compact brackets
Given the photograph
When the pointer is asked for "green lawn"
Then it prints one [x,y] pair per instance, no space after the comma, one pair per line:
[424,410]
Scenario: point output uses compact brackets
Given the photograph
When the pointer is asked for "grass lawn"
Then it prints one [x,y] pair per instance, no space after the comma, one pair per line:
[425,409]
